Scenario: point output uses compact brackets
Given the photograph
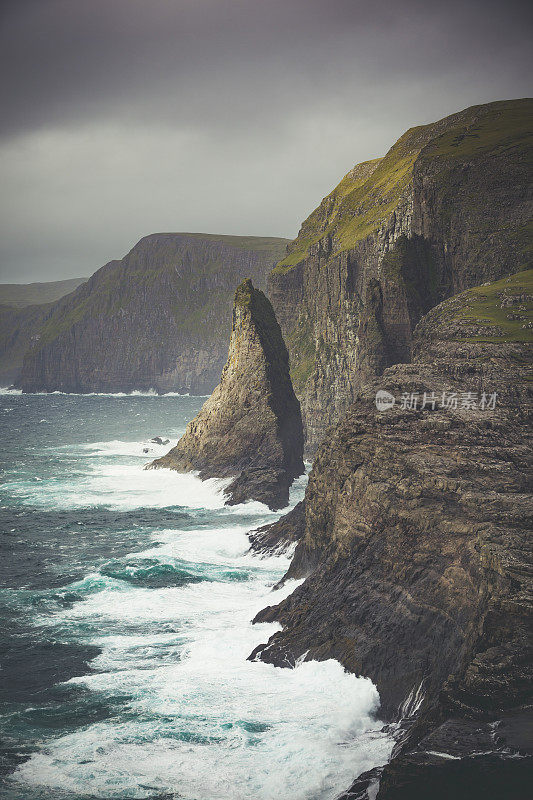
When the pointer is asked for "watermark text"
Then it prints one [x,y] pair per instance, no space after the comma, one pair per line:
[446,401]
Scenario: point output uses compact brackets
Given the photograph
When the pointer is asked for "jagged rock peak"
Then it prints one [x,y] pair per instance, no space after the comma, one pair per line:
[250,428]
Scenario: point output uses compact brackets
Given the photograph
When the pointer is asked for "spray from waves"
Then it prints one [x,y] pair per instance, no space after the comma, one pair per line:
[201,720]
[133,393]
[118,447]
[102,480]
[123,487]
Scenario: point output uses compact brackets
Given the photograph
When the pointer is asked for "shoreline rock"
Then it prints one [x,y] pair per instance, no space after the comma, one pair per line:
[278,537]
[417,551]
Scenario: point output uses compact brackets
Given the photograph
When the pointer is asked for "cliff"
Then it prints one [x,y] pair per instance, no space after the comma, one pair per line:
[18,326]
[447,208]
[418,555]
[156,319]
[250,428]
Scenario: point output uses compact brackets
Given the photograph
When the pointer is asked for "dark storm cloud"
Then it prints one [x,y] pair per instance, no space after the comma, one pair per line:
[210,61]
[124,116]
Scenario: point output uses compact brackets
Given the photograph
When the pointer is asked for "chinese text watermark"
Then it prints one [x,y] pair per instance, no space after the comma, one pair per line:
[448,401]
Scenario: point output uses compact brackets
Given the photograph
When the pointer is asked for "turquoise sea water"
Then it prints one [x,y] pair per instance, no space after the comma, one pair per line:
[126,599]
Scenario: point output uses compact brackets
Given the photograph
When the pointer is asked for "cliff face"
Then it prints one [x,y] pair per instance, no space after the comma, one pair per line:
[24,309]
[18,326]
[417,548]
[447,208]
[251,427]
[156,319]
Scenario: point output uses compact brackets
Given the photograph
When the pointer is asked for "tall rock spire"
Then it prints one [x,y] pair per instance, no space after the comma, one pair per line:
[250,428]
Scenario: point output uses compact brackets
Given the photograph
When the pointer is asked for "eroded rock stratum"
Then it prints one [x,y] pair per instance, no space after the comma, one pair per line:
[417,549]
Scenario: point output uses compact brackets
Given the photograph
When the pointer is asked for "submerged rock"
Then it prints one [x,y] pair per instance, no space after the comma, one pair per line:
[250,429]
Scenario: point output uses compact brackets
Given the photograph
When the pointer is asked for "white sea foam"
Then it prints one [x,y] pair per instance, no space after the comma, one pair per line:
[118,447]
[102,481]
[214,546]
[203,721]
[134,393]
[122,487]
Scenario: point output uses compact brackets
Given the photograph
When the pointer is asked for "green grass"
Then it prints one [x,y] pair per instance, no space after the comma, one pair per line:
[482,306]
[367,196]
[20,295]
[301,345]
[507,125]
[358,210]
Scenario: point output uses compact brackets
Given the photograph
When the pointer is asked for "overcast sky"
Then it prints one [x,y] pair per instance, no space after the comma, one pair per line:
[126,117]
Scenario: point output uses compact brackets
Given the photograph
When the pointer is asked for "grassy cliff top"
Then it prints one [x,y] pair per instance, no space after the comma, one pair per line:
[494,313]
[371,191]
[168,268]
[504,308]
[255,243]
[20,295]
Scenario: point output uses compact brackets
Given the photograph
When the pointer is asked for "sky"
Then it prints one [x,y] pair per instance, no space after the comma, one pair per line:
[121,118]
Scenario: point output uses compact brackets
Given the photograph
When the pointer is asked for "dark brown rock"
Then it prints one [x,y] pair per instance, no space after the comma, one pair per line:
[418,553]
[279,536]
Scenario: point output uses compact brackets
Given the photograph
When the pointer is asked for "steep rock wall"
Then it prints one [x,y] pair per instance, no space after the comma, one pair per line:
[448,207]
[417,549]
[18,327]
[250,429]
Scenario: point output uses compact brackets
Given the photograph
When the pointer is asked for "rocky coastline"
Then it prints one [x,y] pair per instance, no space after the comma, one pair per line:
[396,349]
[417,555]
[447,208]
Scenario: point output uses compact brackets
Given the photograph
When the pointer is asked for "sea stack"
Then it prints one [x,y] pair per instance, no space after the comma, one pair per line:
[251,426]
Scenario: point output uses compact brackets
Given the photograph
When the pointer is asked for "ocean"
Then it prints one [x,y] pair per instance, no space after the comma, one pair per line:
[127,598]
